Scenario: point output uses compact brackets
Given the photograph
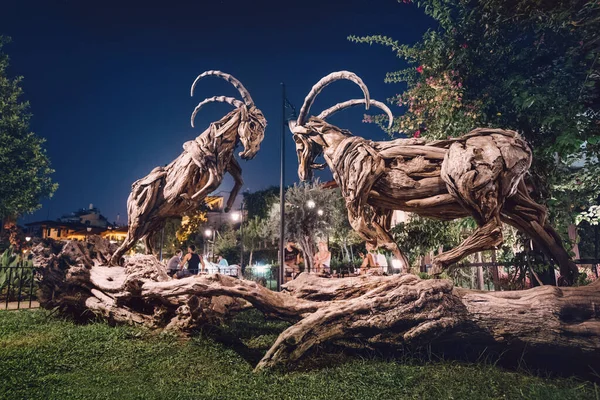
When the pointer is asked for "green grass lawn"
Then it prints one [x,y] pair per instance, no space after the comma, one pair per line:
[44,357]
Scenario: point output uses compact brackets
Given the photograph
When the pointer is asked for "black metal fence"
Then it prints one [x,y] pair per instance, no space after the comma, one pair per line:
[17,287]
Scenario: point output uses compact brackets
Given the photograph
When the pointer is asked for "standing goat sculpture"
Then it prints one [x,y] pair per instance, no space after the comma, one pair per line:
[479,174]
[182,186]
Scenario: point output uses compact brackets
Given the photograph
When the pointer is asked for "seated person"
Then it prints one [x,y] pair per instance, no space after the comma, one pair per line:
[193,260]
[291,256]
[222,262]
[368,260]
[323,259]
[173,263]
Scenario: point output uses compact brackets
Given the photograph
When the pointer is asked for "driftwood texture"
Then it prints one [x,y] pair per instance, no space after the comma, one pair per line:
[479,174]
[73,277]
[399,311]
[182,186]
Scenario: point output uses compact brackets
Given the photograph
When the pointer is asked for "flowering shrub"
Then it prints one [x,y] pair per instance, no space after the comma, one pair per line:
[592,215]
[527,66]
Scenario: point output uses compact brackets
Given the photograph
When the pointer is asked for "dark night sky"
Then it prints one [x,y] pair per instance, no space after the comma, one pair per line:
[109,83]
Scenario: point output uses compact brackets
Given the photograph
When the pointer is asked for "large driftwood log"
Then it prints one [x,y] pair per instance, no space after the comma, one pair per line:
[73,278]
[399,311]
[182,186]
[479,174]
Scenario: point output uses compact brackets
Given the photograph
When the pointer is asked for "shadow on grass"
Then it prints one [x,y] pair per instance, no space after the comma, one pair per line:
[251,334]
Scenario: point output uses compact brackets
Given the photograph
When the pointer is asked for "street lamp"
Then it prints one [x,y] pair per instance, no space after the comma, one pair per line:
[320,212]
[89,229]
[27,238]
[210,233]
[236,216]
[310,204]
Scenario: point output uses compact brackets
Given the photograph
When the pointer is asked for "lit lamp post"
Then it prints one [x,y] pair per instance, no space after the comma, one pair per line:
[239,216]
[27,238]
[208,233]
[87,236]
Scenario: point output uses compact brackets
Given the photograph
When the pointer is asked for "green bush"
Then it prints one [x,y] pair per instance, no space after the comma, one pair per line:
[16,272]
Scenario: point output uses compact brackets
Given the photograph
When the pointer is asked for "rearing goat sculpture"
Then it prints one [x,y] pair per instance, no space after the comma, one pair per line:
[479,174]
[182,186]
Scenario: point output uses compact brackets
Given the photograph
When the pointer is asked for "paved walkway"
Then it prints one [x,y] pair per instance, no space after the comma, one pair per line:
[14,305]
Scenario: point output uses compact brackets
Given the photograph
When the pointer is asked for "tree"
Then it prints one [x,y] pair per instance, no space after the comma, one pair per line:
[24,165]
[258,204]
[226,245]
[419,236]
[167,237]
[521,64]
[341,231]
[309,212]
[256,231]
[190,226]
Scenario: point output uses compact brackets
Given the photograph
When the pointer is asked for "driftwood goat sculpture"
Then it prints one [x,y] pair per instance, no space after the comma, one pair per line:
[181,186]
[479,174]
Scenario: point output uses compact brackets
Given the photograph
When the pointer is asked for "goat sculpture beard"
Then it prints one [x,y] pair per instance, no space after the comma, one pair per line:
[181,186]
[479,175]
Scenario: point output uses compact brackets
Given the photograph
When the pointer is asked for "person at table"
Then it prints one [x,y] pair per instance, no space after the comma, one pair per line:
[323,259]
[173,264]
[291,256]
[368,260]
[193,261]
[222,261]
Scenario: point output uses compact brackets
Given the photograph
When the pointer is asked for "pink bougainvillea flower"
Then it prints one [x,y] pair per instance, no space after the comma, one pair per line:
[459,84]
[417,134]
[420,69]
[367,119]
[464,45]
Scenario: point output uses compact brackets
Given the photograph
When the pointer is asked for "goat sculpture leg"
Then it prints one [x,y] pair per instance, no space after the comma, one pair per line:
[148,244]
[526,215]
[235,171]
[382,221]
[486,237]
[474,172]
[139,204]
[211,185]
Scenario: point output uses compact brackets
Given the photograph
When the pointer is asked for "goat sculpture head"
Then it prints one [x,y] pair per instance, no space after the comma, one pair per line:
[252,122]
[307,134]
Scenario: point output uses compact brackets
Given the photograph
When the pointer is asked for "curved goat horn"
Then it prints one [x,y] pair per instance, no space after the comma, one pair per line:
[229,78]
[334,76]
[351,103]
[221,99]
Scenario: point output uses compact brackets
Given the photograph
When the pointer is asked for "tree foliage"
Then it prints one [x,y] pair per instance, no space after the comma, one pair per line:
[525,65]
[419,236]
[24,165]
[258,204]
[341,232]
[190,226]
[256,231]
[226,245]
